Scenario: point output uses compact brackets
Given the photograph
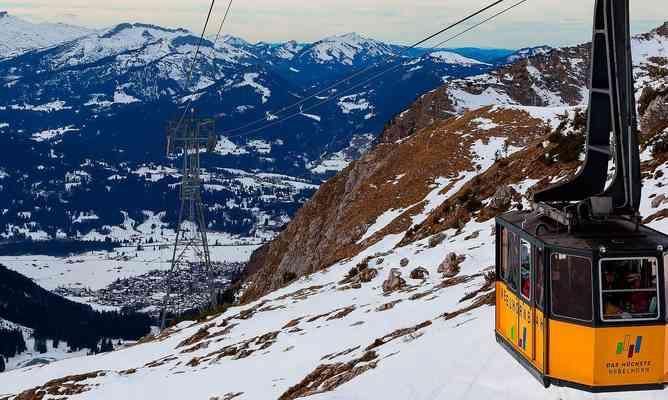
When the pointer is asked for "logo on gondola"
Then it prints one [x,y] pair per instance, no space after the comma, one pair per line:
[629,346]
[522,340]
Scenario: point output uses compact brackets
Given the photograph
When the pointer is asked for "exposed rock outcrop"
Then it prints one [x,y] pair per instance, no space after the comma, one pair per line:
[419,273]
[502,198]
[327,377]
[394,281]
[653,108]
[450,266]
[658,200]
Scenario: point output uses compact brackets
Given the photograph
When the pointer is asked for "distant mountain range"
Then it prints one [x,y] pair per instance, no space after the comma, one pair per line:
[19,36]
[83,112]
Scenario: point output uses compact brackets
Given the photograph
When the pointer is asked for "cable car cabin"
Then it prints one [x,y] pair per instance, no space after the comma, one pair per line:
[585,310]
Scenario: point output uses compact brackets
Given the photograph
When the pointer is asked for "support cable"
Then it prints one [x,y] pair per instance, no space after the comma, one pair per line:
[365,70]
[372,78]
[192,64]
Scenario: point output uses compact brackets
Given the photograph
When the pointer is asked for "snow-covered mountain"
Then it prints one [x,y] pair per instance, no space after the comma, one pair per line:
[554,78]
[287,50]
[449,57]
[387,266]
[526,52]
[130,62]
[349,49]
[82,116]
[18,36]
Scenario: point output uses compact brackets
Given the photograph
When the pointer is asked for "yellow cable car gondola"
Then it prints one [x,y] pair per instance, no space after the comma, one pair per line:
[581,283]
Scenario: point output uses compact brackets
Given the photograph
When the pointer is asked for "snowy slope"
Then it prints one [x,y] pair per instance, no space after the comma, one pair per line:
[332,337]
[452,58]
[4,324]
[30,357]
[18,36]
[526,53]
[345,49]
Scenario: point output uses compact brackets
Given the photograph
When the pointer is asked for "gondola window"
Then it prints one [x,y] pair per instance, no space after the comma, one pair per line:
[514,252]
[629,289]
[571,279]
[525,269]
[510,258]
[504,254]
[540,285]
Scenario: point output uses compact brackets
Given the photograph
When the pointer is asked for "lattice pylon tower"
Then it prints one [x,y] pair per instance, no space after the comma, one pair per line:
[189,136]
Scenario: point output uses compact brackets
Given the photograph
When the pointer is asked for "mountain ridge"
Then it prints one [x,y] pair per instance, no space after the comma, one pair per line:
[289,255]
[76,108]
[19,36]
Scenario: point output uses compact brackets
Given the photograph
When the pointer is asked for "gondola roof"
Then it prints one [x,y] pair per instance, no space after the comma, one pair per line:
[616,235]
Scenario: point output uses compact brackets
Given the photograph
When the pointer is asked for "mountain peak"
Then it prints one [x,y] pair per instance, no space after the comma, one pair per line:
[352,38]
[127,26]
[663,29]
[449,57]
[353,35]
[234,41]
[346,48]
[19,35]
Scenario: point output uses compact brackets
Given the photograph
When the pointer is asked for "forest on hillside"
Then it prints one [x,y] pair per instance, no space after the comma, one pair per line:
[53,317]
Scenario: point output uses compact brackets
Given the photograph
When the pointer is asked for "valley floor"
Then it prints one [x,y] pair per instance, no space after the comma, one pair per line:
[96,270]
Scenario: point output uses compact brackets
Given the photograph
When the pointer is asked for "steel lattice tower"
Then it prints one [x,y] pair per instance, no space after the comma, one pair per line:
[190,136]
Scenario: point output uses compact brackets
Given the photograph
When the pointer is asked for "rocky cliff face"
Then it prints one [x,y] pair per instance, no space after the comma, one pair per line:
[439,163]
[335,223]
[555,78]
[558,77]
[653,110]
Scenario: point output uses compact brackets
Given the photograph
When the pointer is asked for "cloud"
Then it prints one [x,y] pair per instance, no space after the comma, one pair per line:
[535,22]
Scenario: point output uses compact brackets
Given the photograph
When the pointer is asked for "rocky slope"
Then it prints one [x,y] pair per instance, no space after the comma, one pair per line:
[393,189]
[425,143]
[556,77]
[390,301]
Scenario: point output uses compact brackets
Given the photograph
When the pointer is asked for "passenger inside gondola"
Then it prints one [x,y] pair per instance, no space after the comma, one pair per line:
[629,289]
